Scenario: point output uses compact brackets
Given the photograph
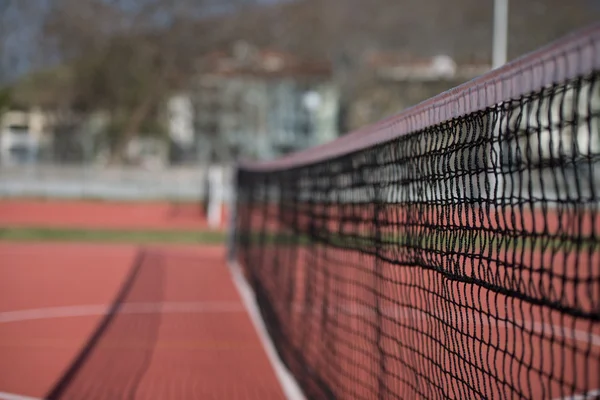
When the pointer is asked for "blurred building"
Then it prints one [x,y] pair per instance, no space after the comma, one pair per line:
[253,103]
[396,81]
[23,133]
[36,135]
[246,102]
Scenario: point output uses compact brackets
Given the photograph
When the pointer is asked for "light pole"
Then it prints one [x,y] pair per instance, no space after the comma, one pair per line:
[500,40]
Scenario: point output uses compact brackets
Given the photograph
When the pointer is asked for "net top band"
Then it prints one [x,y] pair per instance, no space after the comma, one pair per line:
[577,54]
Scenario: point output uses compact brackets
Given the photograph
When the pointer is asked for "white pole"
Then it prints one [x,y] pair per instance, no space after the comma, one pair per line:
[215,176]
[500,40]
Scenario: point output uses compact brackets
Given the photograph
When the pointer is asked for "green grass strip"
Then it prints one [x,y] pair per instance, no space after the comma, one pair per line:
[461,241]
[23,234]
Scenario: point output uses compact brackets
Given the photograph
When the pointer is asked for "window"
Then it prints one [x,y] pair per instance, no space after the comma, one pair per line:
[20,153]
[21,130]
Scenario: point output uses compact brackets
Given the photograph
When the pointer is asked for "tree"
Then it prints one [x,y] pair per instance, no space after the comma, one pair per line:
[128,56]
[5,98]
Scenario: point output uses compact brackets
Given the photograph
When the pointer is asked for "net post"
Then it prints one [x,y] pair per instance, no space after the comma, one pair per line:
[378,280]
[232,214]
[215,200]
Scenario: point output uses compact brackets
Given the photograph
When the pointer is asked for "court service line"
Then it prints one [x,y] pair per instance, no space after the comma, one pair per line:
[291,388]
[235,307]
[102,309]
[593,394]
[406,313]
[12,396]
[127,308]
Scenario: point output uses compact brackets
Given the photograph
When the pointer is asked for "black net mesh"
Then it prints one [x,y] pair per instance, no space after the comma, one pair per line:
[458,261]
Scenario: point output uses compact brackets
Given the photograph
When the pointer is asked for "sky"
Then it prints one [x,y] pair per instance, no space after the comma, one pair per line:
[19,53]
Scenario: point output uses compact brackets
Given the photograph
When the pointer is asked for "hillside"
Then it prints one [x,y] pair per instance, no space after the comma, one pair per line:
[459,28]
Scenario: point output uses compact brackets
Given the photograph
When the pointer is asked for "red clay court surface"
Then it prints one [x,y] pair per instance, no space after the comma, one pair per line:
[349,363]
[102,215]
[181,333]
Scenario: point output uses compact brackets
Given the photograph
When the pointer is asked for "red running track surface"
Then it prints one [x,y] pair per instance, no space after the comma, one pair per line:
[102,215]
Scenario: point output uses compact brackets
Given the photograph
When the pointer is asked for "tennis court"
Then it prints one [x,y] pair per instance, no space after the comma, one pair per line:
[450,251]
[114,321]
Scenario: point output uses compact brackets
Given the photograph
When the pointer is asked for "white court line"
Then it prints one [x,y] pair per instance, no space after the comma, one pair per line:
[235,307]
[289,384]
[560,331]
[127,308]
[594,394]
[12,396]
[102,309]
[405,313]
[287,381]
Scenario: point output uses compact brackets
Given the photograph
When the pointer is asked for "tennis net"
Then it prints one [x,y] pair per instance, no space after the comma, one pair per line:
[451,251]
